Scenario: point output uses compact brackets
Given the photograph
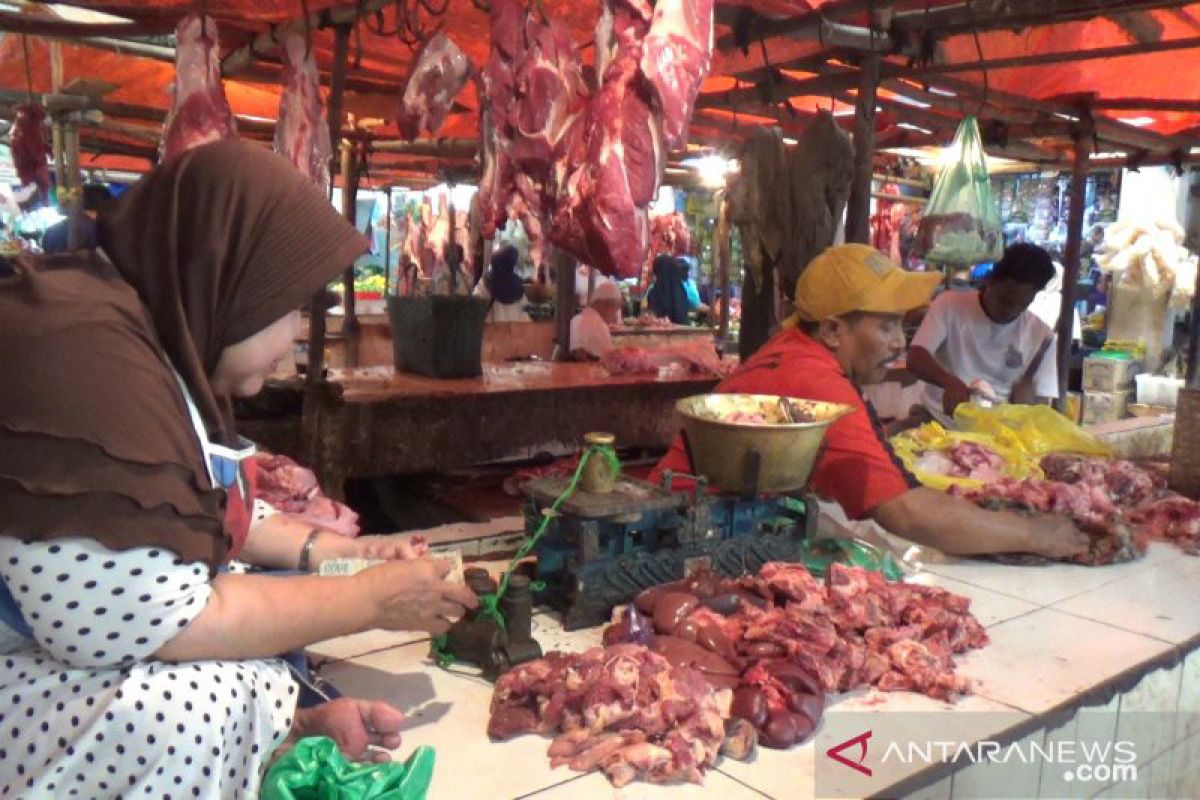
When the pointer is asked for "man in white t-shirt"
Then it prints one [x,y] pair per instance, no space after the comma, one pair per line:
[989,342]
[590,335]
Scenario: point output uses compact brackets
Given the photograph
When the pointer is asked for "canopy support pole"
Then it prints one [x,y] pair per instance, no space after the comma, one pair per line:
[1072,252]
[858,210]
[564,300]
[337,86]
[724,253]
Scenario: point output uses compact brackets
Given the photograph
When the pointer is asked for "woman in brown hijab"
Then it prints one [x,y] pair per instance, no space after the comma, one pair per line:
[122,489]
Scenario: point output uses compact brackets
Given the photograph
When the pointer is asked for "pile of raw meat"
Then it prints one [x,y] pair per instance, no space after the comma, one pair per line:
[292,489]
[851,630]
[622,709]
[579,165]
[1118,504]
[963,460]
[199,112]
[710,665]
[698,358]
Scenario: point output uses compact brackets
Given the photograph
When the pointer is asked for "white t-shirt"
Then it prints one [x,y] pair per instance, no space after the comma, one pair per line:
[590,332]
[968,344]
[502,312]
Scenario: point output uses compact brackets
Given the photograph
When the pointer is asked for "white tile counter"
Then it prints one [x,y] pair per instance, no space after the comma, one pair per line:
[1109,639]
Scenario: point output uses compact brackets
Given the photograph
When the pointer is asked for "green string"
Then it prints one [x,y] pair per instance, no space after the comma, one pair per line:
[489,604]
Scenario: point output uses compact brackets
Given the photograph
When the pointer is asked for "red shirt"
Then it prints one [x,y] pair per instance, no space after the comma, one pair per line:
[858,469]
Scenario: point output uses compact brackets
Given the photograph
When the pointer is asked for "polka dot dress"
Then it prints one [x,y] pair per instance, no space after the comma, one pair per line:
[85,711]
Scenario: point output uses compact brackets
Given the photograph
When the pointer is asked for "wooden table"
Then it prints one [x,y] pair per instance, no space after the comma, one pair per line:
[374,422]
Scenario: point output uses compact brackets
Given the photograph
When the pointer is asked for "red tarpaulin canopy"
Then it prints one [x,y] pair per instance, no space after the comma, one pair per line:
[379,63]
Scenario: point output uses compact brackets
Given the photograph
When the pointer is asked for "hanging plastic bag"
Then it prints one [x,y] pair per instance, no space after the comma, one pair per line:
[961,224]
[314,769]
[1039,429]
[914,447]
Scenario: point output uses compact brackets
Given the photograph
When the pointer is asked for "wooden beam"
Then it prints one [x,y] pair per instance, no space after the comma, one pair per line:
[564,300]
[1145,104]
[40,25]
[442,148]
[783,88]
[1041,59]
[858,209]
[266,42]
[801,26]
[965,18]
[1071,256]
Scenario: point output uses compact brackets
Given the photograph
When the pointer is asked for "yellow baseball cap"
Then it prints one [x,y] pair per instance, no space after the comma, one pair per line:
[855,277]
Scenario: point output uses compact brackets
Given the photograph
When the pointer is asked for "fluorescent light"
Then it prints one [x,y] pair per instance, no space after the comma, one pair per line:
[790,140]
[908,101]
[845,112]
[1137,122]
[713,169]
[910,127]
[1098,156]
[1067,117]
[942,92]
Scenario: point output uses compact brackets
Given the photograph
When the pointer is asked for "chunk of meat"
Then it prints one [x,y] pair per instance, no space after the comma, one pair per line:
[676,59]
[30,148]
[621,708]
[293,489]
[964,460]
[438,74]
[302,132]
[199,111]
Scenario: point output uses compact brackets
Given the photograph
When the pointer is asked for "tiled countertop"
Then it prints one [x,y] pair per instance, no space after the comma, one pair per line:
[1058,632]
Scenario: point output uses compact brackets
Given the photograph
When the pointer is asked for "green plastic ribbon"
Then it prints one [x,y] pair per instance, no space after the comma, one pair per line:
[489,604]
[315,769]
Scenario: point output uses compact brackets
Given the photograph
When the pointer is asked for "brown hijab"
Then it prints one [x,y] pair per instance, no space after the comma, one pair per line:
[95,438]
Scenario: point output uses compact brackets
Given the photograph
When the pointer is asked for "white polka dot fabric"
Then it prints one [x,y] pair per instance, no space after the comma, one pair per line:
[85,711]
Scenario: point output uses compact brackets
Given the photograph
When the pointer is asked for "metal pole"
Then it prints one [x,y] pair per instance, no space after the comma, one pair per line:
[387,248]
[1066,317]
[337,85]
[564,300]
[724,256]
[350,172]
[858,210]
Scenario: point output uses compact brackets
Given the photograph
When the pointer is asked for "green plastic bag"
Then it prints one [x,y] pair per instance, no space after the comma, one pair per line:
[961,224]
[819,554]
[314,769]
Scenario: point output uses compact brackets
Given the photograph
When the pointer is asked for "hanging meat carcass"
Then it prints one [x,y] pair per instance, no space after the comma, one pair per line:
[613,154]
[439,73]
[30,148]
[302,132]
[676,59]
[588,165]
[199,111]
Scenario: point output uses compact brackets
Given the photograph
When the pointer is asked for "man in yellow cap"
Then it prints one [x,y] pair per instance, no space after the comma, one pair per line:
[847,328]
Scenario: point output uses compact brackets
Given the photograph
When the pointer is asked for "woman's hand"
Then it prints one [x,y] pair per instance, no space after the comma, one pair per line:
[355,725]
[414,595]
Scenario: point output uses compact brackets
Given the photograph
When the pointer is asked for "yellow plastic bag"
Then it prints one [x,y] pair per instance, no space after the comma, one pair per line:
[911,445]
[1040,430]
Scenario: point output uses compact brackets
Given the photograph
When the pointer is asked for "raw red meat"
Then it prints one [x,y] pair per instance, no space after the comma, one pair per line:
[854,629]
[1119,504]
[439,73]
[291,488]
[199,112]
[30,147]
[302,132]
[622,709]
[581,170]
[963,460]
[698,358]
[677,56]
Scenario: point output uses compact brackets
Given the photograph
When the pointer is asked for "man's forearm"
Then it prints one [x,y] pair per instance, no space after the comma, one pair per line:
[953,525]
[259,616]
[924,365]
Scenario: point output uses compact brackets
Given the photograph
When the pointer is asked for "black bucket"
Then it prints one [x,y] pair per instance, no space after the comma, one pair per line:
[439,336]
